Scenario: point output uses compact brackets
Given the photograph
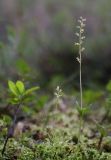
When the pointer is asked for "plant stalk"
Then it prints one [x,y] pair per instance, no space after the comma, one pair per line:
[80,81]
[11,129]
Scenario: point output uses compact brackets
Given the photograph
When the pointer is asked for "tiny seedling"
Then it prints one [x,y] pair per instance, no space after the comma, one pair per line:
[19,96]
[103,133]
[80,34]
[107,114]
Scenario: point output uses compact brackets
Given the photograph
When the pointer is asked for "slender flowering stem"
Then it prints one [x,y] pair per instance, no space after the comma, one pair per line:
[79,59]
[58,93]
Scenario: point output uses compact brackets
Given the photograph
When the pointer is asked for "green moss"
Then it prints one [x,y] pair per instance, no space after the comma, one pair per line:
[54,147]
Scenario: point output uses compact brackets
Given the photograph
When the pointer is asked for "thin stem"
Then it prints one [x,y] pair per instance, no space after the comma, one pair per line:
[80,80]
[81,105]
[100,142]
[3,150]
[80,128]
[11,128]
[79,59]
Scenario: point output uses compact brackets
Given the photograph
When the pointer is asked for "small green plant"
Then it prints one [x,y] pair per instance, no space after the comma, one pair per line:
[58,93]
[19,96]
[103,133]
[80,34]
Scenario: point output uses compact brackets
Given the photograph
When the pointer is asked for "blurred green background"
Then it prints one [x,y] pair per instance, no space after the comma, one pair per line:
[37,42]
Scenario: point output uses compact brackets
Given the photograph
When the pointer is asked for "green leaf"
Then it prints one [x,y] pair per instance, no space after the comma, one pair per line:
[14,100]
[13,88]
[83,111]
[20,87]
[29,91]
[102,130]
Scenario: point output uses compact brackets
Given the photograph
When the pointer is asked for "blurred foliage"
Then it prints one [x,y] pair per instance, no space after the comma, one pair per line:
[41,33]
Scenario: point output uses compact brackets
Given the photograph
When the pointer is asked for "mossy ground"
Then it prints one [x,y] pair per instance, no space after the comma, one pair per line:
[54,136]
